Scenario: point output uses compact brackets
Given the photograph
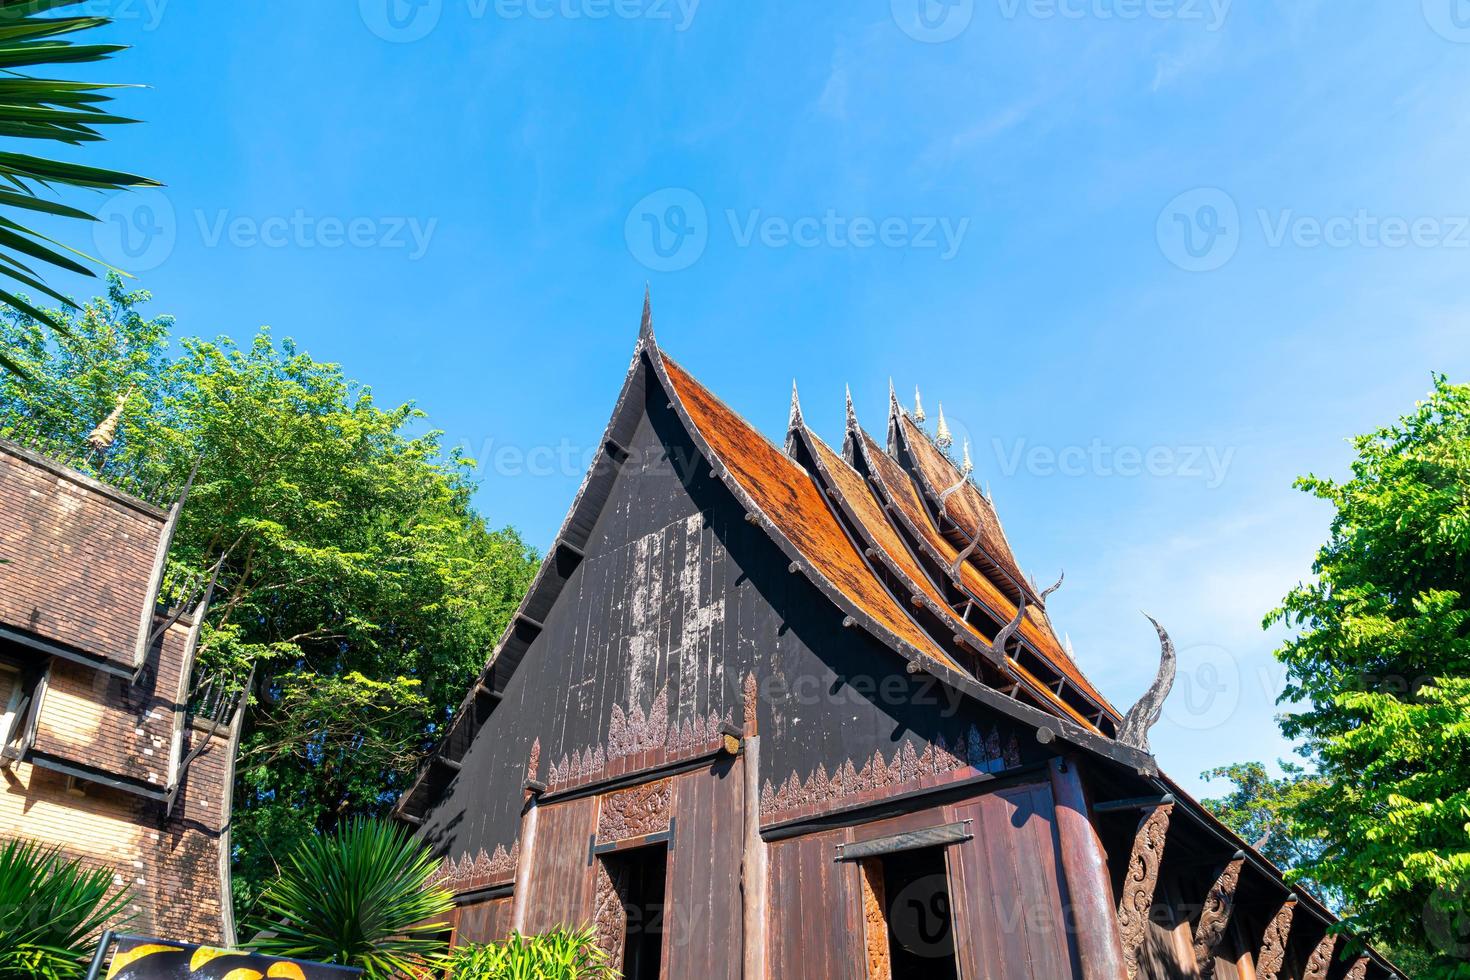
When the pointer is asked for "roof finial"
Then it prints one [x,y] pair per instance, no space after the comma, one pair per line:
[919,415]
[851,415]
[645,329]
[102,437]
[894,408]
[967,467]
[794,421]
[942,437]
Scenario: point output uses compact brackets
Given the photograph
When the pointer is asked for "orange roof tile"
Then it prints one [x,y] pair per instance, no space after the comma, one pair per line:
[786,495]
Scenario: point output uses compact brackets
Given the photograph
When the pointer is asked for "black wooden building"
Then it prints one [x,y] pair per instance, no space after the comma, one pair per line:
[796,713]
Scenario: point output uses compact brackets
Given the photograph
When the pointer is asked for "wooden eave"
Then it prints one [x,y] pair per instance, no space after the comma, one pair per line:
[891,484]
[882,543]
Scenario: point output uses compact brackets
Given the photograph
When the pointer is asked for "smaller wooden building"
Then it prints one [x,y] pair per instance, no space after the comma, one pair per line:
[101,752]
[796,713]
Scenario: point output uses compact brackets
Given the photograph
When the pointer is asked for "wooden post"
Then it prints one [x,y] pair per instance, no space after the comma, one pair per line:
[522,893]
[753,877]
[1085,867]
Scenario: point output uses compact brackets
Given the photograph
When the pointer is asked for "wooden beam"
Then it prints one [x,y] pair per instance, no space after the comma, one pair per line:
[1085,867]
[1141,881]
[1219,905]
[754,881]
[1272,957]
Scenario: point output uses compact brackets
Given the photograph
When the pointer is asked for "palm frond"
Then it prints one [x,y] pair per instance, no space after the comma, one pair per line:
[66,112]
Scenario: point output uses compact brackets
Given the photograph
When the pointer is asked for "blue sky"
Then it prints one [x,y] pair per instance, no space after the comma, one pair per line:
[1155,257]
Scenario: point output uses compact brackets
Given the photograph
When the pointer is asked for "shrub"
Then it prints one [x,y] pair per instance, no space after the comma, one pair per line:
[52,912]
[560,955]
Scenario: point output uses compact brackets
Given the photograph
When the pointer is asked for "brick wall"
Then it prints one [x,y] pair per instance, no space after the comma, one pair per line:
[80,558]
[171,865]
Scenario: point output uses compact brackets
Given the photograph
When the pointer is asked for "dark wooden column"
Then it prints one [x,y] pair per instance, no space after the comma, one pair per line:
[1141,882]
[1214,917]
[1085,867]
[1273,944]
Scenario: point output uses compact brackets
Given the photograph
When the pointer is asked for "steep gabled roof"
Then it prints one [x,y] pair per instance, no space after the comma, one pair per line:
[898,493]
[853,495]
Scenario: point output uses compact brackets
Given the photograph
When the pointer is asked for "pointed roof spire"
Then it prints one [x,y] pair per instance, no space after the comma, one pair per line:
[102,437]
[919,415]
[794,420]
[645,329]
[851,415]
[942,437]
[967,467]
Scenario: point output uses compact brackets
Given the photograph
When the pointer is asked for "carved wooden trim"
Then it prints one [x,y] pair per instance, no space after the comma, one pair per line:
[636,741]
[1140,882]
[533,764]
[972,751]
[875,919]
[484,870]
[751,700]
[1215,917]
[635,812]
[610,917]
[1359,969]
[1321,959]
[1273,943]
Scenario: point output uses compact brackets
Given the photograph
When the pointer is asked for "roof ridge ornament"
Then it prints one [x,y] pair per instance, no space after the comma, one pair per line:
[919,415]
[1046,592]
[967,467]
[104,435]
[794,422]
[852,422]
[942,437]
[645,329]
[1009,629]
[1145,714]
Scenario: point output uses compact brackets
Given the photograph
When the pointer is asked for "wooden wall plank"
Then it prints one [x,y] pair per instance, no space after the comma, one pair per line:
[562,884]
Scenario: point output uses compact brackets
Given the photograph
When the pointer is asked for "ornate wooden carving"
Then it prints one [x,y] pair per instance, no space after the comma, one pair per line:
[635,812]
[1140,882]
[875,919]
[637,740]
[751,727]
[972,749]
[1321,959]
[610,917]
[469,874]
[1273,944]
[1359,969]
[533,764]
[1215,917]
[1143,715]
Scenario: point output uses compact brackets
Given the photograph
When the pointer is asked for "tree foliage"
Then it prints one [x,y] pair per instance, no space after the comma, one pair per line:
[562,954]
[1379,686]
[357,581]
[1258,808]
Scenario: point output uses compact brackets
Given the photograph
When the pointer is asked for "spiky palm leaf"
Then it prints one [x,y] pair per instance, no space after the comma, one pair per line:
[32,36]
[358,897]
[52,912]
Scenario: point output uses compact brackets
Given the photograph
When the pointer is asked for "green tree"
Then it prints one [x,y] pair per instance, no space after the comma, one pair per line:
[1379,686]
[358,581]
[1258,808]
[32,107]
